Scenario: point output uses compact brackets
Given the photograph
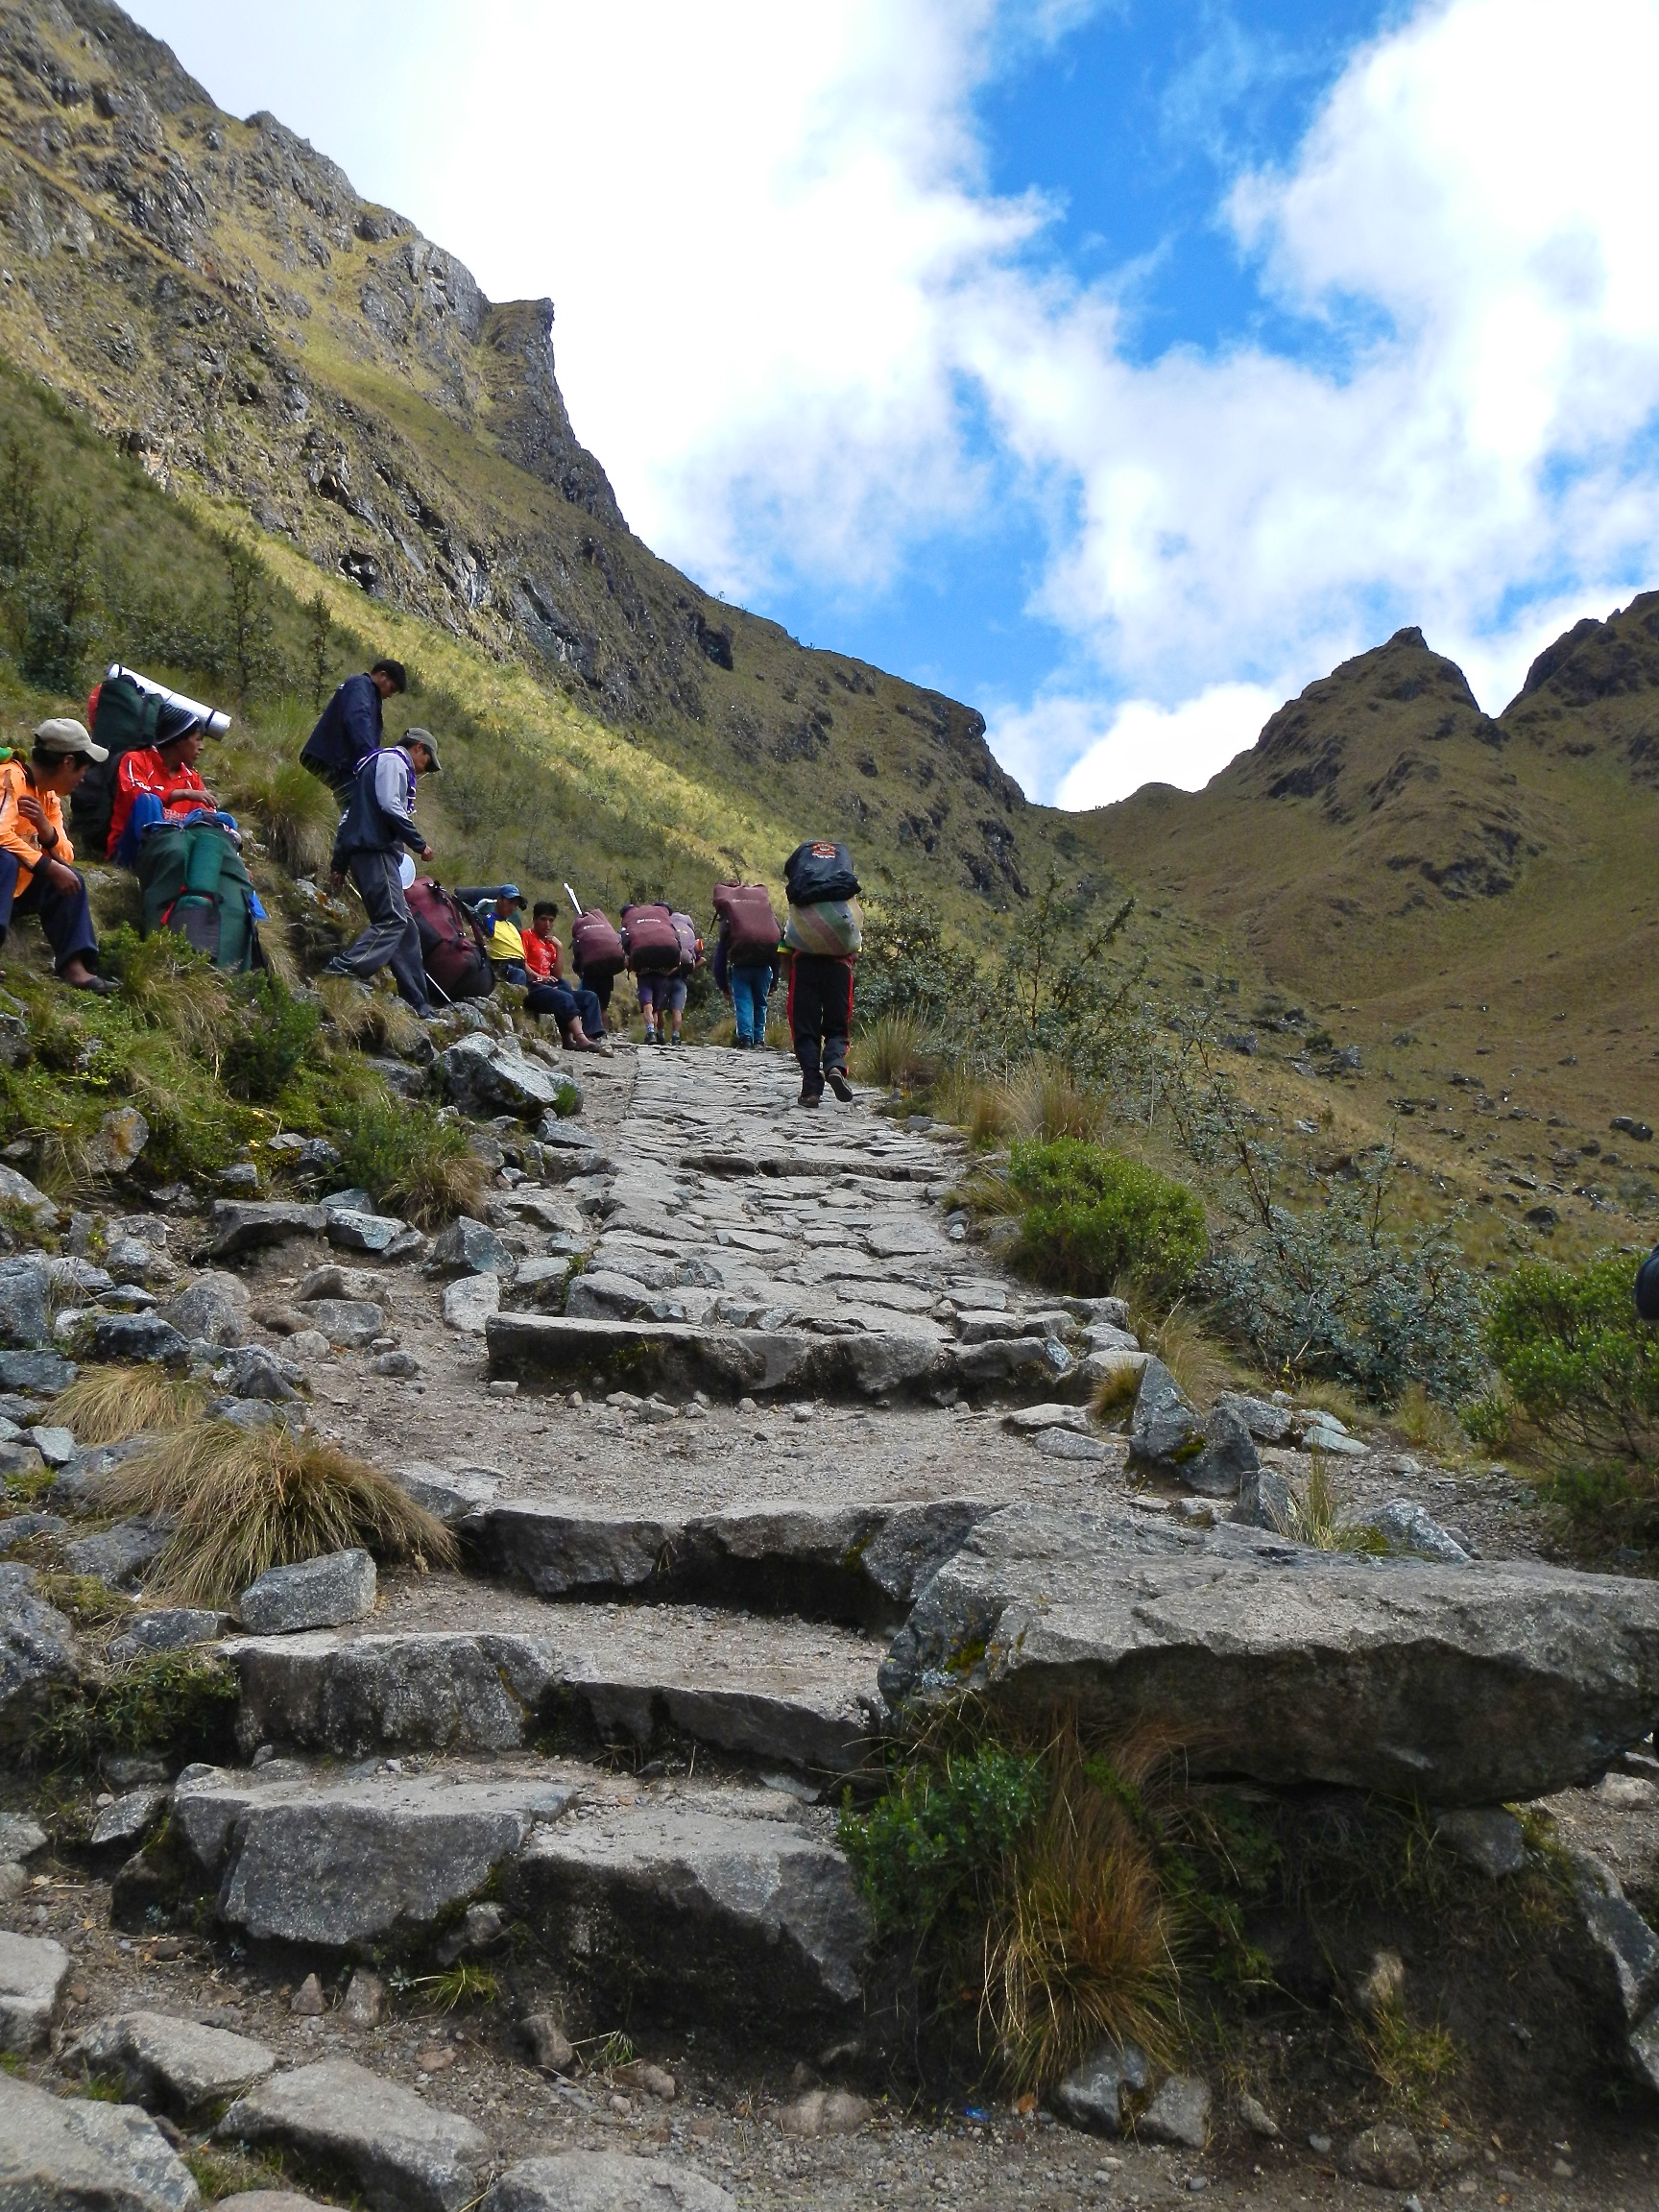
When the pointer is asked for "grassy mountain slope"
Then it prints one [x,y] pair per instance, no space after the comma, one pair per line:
[214,295]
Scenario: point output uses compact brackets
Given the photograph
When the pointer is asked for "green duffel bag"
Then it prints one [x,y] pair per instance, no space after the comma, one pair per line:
[192,881]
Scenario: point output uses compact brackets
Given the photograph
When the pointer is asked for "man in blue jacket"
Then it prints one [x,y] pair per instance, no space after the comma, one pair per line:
[379,823]
[352,727]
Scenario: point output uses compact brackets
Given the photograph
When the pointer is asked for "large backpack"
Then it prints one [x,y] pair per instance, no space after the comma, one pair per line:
[452,947]
[828,927]
[751,929]
[595,948]
[192,880]
[123,720]
[649,935]
[689,943]
[815,873]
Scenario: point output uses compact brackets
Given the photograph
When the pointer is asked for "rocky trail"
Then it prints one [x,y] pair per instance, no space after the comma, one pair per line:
[745,1442]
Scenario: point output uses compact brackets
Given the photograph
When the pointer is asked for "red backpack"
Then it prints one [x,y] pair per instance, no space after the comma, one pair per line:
[751,928]
[595,948]
[652,941]
[452,947]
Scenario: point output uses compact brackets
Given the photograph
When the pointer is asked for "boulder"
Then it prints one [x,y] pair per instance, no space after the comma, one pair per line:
[120,1137]
[354,1200]
[450,1493]
[1489,1836]
[1105,2091]
[1177,2113]
[1031,1420]
[380,1233]
[120,1556]
[25,1288]
[85,2156]
[213,1308]
[36,1649]
[17,1190]
[405,2155]
[353,1323]
[468,1247]
[19,1528]
[492,1075]
[343,1861]
[604,2182]
[601,1295]
[1499,1682]
[1405,1525]
[470,1303]
[44,1373]
[1165,1431]
[33,1972]
[1268,1423]
[135,1337]
[312,1594]
[1067,1444]
[128,1818]
[56,1446]
[1387,2157]
[1228,1459]
[255,1371]
[174,2064]
[477,1690]
[170,1628]
[1266,1501]
[825,2112]
[243,1224]
[20,1837]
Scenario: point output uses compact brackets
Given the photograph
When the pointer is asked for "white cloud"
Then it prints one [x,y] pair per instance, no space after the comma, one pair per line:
[788,303]
[1114,750]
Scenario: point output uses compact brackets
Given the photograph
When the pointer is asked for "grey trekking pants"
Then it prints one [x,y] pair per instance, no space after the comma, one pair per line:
[391,939]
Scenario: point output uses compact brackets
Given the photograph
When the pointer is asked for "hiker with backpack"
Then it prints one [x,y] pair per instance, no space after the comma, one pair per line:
[498,907]
[352,727]
[577,1011]
[597,955]
[823,937]
[663,948]
[35,876]
[158,783]
[378,822]
[746,956]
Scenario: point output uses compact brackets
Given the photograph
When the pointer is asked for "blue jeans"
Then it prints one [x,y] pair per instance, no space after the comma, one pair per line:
[749,989]
[566,1004]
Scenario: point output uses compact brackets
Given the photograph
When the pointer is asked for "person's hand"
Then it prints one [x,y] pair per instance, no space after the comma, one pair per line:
[427,854]
[60,876]
[336,880]
[32,810]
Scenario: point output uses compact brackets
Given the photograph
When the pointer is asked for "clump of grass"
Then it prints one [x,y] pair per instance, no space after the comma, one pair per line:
[1090,1219]
[1045,1101]
[1412,2063]
[179,1705]
[365,1019]
[272,1041]
[1426,1424]
[408,1156]
[242,1502]
[107,1405]
[1179,1338]
[893,1053]
[171,987]
[297,814]
[465,1983]
[88,1603]
[1316,1517]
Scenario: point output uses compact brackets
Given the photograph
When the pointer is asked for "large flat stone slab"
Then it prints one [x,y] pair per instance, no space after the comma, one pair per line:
[405,2155]
[33,1972]
[70,2155]
[1465,1685]
[178,2064]
[700,1907]
[444,1691]
[309,1858]
[860,1564]
[682,1356]
[604,2182]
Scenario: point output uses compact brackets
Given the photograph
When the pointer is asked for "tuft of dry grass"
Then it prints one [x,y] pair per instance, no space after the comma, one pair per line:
[1179,1338]
[1045,1101]
[893,1053]
[1316,1516]
[180,990]
[107,1405]
[1426,1424]
[1079,1947]
[436,1186]
[242,1502]
[365,1019]
[299,815]
[1115,1389]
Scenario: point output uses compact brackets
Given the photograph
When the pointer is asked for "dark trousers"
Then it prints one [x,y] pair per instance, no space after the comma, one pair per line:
[567,1003]
[64,915]
[599,991]
[820,1011]
[390,940]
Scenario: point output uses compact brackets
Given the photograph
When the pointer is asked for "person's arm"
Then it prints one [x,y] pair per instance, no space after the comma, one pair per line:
[360,713]
[392,797]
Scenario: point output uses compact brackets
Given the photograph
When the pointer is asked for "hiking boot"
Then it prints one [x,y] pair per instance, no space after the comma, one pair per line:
[811,1092]
[836,1078]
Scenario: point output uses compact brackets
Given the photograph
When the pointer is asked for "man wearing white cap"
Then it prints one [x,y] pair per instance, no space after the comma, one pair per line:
[35,876]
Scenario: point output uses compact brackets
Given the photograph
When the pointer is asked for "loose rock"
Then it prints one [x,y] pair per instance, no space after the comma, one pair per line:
[1165,1431]
[407,2156]
[36,1649]
[316,1594]
[176,2064]
[604,2182]
[825,2112]
[1104,2092]
[468,1247]
[1387,2157]
[215,1307]
[33,1972]
[71,2153]
[470,1303]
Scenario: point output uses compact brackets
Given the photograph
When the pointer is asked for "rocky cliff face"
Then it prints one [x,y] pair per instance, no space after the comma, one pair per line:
[215,295]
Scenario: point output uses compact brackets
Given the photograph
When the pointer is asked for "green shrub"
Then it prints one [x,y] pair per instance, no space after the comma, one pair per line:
[1091,1218]
[272,1038]
[941,1835]
[1578,1363]
[403,1153]
[181,1705]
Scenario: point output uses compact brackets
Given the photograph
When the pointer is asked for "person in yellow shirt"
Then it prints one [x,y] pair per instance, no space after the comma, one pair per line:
[35,876]
[498,907]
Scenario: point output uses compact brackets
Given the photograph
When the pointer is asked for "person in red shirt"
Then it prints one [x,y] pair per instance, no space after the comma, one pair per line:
[163,777]
[544,954]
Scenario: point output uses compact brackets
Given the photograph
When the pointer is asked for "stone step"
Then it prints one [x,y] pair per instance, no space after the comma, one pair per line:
[1463,1685]
[821,1167]
[678,1900]
[780,1691]
[860,1565]
[566,1352]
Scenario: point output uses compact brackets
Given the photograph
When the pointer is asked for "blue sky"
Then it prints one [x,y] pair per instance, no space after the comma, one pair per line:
[1117,366]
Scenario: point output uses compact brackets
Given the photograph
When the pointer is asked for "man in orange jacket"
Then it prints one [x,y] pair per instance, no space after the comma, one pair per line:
[35,876]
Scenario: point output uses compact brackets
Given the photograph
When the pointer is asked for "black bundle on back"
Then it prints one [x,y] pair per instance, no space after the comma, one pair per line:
[814,874]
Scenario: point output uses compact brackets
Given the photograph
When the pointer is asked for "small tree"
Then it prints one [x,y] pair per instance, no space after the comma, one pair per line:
[59,594]
[250,650]
[319,635]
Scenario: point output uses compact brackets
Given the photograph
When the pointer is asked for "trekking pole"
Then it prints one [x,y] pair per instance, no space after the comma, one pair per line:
[575,902]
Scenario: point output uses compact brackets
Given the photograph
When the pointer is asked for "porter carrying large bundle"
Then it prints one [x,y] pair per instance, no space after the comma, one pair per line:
[751,928]
[127,711]
[823,888]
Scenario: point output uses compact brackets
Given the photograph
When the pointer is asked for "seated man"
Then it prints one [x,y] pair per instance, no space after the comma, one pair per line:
[497,906]
[157,784]
[35,876]
[577,1011]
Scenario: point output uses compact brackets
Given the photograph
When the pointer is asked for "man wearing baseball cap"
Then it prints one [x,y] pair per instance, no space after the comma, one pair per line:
[35,876]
